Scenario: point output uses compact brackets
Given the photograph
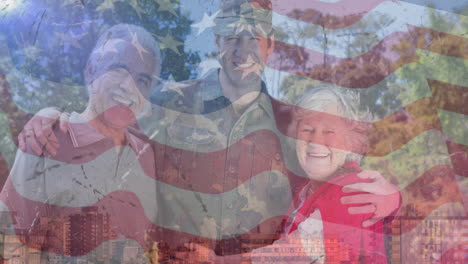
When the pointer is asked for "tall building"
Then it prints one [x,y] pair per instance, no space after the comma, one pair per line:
[437,239]
[15,250]
[87,232]
[77,235]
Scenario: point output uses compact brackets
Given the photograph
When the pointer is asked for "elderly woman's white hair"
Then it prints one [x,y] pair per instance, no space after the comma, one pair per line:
[348,104]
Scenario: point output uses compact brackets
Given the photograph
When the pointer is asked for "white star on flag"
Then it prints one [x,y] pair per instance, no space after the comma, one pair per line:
[107,5]
[72,40]
[74,3]
[109,46]
[168,42]
[136,7]
[137,45]
[31,51]
[172,85]
[241,26]
[206,22]
[166,5]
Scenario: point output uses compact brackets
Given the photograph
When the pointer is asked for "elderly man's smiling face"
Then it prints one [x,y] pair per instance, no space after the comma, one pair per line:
[121,92]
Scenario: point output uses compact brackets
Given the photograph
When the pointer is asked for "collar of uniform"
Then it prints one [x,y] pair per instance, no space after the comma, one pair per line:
[213,96]
[211,89]
[83,134]
[264,101]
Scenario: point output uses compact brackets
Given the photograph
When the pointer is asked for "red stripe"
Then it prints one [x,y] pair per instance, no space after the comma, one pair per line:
[439,42]
[452,98]
[329,15]
[429,191]
[459,157]
[4,171]
[449,97]
[133,224]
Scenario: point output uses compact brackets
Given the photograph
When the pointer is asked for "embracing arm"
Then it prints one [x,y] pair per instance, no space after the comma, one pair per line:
[382,198]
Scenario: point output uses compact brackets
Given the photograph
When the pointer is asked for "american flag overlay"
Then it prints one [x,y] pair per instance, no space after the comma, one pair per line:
[233,131]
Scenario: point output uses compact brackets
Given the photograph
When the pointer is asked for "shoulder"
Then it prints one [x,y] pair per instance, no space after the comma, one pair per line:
[185,97]
[26,162]
[27,175]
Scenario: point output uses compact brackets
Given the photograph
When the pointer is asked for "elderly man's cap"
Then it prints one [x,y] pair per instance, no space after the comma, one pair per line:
[238,17]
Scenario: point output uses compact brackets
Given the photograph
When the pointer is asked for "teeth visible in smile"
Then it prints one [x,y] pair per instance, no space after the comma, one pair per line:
[318,155]
[244,65]
[122,100]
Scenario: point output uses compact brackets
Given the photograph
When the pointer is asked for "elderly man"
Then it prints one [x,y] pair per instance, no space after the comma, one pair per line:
[100,164]
[219,150]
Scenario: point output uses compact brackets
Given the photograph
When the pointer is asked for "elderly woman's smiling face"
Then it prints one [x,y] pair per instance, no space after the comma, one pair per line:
[321,145]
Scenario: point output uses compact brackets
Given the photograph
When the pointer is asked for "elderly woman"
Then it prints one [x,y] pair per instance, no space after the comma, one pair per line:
[330,138]
[331,135]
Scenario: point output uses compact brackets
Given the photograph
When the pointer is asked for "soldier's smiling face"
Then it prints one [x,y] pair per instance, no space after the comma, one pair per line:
[243,57]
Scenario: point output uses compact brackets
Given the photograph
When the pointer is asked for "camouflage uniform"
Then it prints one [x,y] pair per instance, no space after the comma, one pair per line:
[223,150]
[222,172]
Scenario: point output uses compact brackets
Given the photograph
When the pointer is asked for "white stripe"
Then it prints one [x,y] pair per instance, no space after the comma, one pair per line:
[202,212]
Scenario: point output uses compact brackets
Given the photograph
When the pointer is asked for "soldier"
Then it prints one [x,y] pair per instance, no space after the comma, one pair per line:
[230,115]
[218,148]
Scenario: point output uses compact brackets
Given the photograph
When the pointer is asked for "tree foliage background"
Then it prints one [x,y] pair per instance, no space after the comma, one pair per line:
[408,85]
[45,45]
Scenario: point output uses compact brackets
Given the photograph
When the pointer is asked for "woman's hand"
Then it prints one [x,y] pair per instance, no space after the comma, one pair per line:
[381,198]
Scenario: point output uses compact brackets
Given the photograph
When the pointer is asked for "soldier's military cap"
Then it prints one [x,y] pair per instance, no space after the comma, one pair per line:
[244,17]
